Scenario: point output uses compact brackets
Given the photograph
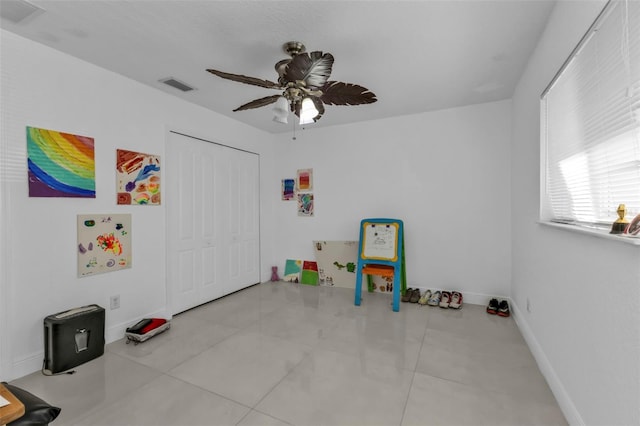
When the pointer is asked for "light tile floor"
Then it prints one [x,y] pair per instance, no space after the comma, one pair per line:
[289,354]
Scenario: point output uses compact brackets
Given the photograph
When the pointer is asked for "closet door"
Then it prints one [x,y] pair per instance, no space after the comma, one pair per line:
[213,220]
[243,219]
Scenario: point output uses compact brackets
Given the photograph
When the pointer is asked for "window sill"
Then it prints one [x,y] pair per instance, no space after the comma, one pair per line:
[635,241]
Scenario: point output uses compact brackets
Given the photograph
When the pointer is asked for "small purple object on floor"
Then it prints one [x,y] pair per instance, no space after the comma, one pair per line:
[274,274]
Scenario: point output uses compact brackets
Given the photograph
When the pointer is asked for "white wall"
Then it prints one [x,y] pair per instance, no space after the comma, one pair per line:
[584,292]
[453,176]
[44,88]
[446,174]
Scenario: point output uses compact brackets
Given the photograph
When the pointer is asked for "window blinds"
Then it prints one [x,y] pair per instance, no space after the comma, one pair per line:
[591,123]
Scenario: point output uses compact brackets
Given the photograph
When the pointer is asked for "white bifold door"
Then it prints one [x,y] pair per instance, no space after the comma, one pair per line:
[213,208]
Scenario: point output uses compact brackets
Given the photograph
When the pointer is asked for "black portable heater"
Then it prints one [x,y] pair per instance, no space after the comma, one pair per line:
[73,337]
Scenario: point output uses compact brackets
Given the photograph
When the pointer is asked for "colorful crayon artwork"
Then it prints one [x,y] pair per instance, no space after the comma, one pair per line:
[138,178]
[104,243]
[288,189]
[305,179]
[305,204]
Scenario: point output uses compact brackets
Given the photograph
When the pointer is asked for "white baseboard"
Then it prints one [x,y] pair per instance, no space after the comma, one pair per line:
[569,410]
[26,365]
[116,332]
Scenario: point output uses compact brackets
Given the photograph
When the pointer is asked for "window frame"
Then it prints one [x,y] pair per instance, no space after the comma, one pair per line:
[546,214]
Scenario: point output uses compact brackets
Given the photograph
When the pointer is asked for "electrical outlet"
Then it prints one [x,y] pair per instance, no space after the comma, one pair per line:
[528,305]
[115,302]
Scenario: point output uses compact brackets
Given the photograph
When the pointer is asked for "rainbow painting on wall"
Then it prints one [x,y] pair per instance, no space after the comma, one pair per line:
[138,178]
[60,164]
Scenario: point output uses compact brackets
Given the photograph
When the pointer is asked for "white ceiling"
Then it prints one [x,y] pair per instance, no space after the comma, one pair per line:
[416,56]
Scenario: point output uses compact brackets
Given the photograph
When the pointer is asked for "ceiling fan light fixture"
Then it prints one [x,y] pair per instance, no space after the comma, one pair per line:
[282,106]
[308,111]
[281,110]
[280,119]
[304,121]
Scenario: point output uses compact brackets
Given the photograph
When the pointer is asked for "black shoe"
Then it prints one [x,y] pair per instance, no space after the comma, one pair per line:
[503,309]
[492,308]
[407,295]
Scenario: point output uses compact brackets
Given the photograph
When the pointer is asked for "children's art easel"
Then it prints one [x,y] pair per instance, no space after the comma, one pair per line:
[381,252]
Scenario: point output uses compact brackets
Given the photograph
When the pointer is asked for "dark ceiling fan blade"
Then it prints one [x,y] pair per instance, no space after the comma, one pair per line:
[319,106]
[339,93]
[247,80]
[257,103]
[281,67]
[314,69]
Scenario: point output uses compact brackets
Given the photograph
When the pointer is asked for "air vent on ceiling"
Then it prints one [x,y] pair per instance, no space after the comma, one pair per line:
[17,11]
[176,84]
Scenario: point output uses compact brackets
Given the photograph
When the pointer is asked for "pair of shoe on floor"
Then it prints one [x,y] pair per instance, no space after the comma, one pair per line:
[498,308]
[444,299]
[411,295]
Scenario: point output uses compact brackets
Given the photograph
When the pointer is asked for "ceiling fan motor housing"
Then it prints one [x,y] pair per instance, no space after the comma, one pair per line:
[293,48]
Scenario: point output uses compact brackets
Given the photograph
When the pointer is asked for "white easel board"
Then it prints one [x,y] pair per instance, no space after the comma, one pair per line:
[380,241]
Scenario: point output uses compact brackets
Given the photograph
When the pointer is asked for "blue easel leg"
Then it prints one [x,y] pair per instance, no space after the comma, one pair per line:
[358,291]
[396,290]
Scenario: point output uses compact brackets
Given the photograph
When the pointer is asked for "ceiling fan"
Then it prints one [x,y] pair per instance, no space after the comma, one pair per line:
[305,85]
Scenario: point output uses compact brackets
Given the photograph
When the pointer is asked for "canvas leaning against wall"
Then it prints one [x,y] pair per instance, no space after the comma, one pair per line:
[104,243]
[60,164]
[309,274]
[292,270]
[138,178]
[337,262]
